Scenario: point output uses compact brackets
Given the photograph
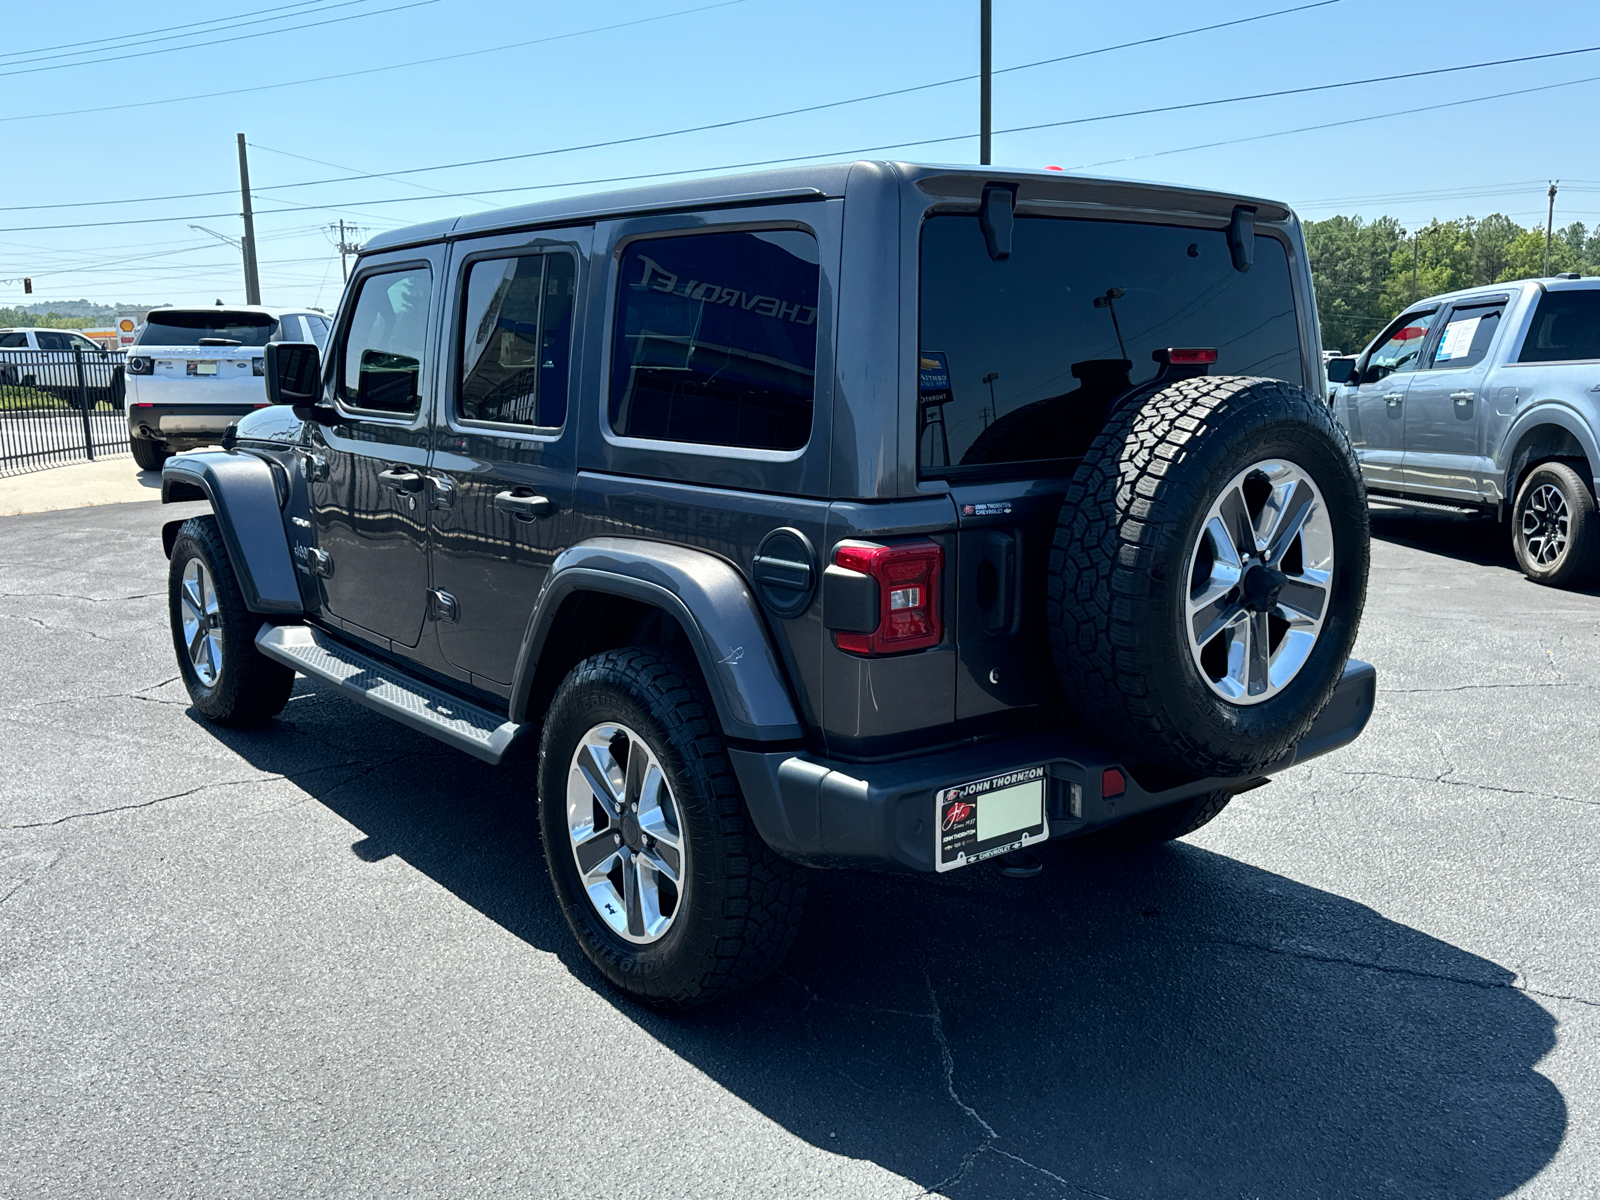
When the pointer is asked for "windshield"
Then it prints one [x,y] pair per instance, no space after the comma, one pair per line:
[1020,358]
[221,327]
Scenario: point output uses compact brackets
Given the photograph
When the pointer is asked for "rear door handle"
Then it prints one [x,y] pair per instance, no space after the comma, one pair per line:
[401,479]
[527,507]
[1463,397]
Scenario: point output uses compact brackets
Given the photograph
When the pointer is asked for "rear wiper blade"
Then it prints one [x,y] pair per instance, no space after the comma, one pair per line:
[215,341]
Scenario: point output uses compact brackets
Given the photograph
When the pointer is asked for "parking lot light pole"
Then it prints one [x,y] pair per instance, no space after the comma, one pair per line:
[252,281]
[983,81]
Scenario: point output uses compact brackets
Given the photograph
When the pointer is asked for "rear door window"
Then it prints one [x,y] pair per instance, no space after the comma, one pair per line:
[1467,335]
[1019,358]
[516,340]
[13,341]
[50,340]
[716,339]
[381,363]
[1566,327]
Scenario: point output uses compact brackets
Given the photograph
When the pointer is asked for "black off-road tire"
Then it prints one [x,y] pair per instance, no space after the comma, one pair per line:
[1578,564]
[1159,825]
[250,688]
[740,908]
[1119,564]
[148,455]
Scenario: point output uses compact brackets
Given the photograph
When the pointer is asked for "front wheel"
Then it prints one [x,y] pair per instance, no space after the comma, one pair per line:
[1555,530]
[656,864]
[229,680]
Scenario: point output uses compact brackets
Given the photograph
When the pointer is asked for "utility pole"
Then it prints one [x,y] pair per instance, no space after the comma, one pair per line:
[252,280]
[1550,225]
[983,81]
[346,244]
[1416,235]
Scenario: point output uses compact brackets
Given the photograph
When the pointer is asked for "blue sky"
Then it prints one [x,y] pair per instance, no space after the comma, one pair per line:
[721,63]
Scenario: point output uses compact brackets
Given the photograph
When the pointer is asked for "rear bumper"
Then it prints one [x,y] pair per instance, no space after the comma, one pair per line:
[828,814]
[185,425]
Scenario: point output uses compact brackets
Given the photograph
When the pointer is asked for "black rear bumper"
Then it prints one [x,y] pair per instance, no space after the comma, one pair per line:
[830,814]
[202,424]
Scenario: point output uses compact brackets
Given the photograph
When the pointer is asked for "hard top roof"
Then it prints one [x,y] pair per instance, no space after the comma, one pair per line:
[817,182]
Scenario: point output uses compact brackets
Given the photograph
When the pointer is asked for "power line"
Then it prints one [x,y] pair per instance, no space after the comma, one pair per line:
[1404,112]
[341,75]
[243,37]
[395,175]
[146,41]
[122,37]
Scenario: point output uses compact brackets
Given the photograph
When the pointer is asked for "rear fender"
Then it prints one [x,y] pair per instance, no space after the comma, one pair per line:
[245,500]
[711,602]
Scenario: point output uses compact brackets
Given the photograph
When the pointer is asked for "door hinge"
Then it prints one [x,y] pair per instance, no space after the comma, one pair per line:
[314,467]
[442,605]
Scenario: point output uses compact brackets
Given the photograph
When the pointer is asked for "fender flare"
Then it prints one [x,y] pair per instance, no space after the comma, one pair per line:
[1548,412]
[707,597]
[245,501]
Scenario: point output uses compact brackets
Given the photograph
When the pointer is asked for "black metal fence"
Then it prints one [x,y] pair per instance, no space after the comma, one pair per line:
[59,406]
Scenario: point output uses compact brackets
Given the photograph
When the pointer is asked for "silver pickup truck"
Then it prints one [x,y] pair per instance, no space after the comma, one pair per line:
[1480,399]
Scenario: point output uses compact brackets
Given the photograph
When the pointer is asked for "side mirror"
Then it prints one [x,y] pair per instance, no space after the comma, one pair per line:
[294,373]
[1341,370]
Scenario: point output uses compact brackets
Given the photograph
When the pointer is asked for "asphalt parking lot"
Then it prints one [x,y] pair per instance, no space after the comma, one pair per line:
[323,959]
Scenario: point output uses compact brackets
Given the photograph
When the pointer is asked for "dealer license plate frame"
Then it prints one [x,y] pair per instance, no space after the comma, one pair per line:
[959,817]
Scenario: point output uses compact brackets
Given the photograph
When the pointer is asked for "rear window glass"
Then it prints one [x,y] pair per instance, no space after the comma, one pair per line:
[1566,327]
[187,328]
[1020,358]
[11,341]
[716,339]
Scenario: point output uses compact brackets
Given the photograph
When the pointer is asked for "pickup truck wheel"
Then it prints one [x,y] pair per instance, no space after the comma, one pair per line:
[148,455]
[1555,530]
[667,886]
[229,680]
[1161,824]
[1208,573]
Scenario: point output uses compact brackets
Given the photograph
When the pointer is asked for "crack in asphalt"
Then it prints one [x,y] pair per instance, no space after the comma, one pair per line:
[275,778]
[135,695]
[1310,955]
[1445,779]
[75,596]
[1484,687]
[99,637]
[949,1060]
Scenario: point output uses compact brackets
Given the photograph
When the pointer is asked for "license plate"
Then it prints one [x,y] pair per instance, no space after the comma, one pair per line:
[202,368]
[986,817]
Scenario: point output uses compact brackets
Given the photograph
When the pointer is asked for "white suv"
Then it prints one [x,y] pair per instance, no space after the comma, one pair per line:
[44,359]
[192,372]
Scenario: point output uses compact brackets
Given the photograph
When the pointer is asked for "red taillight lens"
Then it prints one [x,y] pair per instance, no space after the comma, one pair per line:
[1191,358]
[907,576]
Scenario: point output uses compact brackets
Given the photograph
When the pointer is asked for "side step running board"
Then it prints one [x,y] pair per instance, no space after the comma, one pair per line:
[1427,505]
[464,725]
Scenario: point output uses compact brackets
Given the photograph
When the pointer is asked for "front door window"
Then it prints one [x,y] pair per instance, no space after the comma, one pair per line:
[381,366]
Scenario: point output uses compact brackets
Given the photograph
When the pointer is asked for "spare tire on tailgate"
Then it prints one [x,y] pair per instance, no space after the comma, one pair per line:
[1208,573]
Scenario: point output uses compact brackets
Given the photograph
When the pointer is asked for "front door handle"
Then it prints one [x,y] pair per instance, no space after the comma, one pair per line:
[401,479]
[1394,397]
[526,507]
[1462,397]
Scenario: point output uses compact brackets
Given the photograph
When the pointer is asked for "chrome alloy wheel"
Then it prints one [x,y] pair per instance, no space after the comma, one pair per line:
[1545,520]
[1260,580]
[202,622]
[626,833]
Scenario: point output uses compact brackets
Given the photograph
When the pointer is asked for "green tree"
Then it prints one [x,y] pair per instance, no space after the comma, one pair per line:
[1350,263]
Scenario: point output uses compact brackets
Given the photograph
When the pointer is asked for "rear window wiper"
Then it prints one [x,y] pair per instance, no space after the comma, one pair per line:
[218,341]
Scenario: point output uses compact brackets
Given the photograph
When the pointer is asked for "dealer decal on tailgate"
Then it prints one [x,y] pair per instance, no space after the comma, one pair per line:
[987,817]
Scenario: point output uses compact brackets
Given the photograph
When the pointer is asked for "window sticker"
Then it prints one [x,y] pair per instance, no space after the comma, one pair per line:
[1457,341]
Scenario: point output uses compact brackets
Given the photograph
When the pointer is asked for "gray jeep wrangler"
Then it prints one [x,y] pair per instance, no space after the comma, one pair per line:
[869,515]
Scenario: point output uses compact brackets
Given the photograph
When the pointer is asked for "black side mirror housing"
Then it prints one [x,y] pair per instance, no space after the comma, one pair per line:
[294,373]
[1341,370]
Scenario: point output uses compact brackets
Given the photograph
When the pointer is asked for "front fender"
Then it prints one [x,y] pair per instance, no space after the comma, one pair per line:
[245,502]
[707,597]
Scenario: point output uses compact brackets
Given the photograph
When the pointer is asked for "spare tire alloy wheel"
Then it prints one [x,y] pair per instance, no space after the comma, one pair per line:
[625,833]
[1259,580]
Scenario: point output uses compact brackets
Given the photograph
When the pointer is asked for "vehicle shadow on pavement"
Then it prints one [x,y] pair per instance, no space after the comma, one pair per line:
[1176,1023]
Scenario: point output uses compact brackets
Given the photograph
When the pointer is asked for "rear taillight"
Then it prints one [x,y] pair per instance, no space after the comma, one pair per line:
[139,365]
[907,578]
